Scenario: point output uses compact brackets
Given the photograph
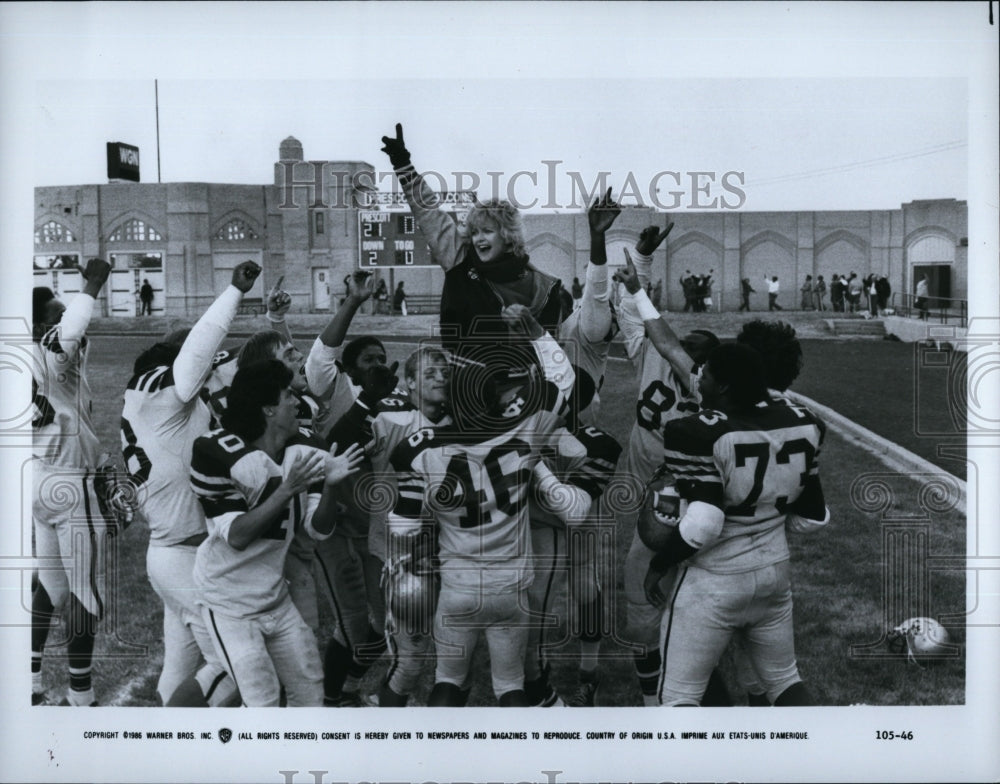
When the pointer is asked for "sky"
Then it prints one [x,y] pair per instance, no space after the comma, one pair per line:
[789,143]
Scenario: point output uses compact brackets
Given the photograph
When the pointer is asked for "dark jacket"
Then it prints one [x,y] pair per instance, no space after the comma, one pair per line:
[471,304]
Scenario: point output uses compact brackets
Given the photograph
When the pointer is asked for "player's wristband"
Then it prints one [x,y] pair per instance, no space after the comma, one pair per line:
[647,311]
[273,320]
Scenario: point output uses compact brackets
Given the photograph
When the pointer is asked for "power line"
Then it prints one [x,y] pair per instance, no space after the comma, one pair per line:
[846,167]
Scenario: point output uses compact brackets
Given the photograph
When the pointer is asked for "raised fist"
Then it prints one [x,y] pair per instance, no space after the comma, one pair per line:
[244,275]
[395,148]
[359,285]
[96,272]
[650,239]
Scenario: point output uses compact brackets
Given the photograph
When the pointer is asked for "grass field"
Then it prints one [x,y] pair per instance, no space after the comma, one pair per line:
[840,574]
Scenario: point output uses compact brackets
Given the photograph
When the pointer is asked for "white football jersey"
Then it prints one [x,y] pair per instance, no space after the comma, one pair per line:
[476,488]
[661,399]
[587,357]
[230,478]
[158,431]
[62,429]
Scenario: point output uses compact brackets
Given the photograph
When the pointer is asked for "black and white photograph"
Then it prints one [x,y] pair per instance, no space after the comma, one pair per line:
[396,364]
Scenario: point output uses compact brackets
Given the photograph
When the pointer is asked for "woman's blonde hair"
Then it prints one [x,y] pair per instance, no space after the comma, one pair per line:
[504,216]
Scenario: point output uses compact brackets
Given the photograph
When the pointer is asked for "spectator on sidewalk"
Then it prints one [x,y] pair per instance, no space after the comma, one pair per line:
[854,288]
[923,292]
[807,293]
[837,293]
[146,298]
[883,290]
[872,293]
[773,289]
[705,291]
[399,300]
[819,291]
[689,284]
[381,298]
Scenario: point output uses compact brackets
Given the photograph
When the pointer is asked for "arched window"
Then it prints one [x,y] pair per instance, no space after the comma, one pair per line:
[236,229]
[53,232]
[134,230]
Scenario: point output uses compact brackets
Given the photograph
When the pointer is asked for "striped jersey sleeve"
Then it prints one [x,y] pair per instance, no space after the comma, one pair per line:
[600,457]
[689,454]
[212,462]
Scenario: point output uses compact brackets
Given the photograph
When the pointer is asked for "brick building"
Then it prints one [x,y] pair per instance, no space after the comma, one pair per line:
[185,238]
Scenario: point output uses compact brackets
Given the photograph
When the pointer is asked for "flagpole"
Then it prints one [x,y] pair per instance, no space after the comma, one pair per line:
[156,88]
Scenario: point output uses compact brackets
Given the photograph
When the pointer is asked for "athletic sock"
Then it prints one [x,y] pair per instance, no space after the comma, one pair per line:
[41,622]
[83,630]
[647,669]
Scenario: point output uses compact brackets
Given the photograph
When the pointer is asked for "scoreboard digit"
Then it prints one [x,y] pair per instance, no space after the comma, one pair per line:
[390,239]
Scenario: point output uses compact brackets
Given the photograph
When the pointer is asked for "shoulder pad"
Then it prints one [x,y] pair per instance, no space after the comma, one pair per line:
[598,443]
[222,445]
[406,451]
[395,402]
[306,437]
[696,434]
[221,357]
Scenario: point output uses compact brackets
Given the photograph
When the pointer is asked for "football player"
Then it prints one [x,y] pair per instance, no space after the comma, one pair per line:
[743,464]
[586,335]
[69,528]
[347,573]
[162,415]
[667,390]
[473,478]
[380,420]
[258,479]
[584,459]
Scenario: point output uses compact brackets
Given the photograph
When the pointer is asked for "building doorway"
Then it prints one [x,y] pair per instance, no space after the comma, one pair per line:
[320,288]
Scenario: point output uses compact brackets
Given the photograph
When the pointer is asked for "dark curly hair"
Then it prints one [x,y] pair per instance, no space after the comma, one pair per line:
[741,369]
[779,348]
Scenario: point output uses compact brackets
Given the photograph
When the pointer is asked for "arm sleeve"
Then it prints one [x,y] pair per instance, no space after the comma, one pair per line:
[74,322]
[570,503]
[439,229]
[194,362]
[312,504]
[555,363]
[633,330]
[321,368]
[595,312]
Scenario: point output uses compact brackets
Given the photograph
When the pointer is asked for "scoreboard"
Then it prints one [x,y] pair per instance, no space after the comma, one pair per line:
[391,239]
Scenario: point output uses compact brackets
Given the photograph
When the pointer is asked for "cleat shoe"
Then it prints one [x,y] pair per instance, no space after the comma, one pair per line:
[351,699]
[80,699]
[585,695]
[540,693]
[39,698]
